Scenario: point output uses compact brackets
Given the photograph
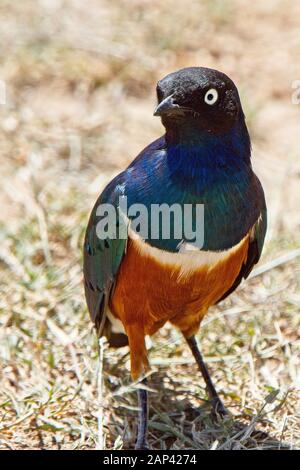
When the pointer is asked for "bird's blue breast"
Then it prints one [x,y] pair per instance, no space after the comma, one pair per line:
[216,173]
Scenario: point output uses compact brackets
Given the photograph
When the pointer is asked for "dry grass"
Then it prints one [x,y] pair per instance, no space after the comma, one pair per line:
[80,82]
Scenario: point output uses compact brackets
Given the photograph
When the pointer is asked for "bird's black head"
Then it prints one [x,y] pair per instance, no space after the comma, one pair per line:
[199,97]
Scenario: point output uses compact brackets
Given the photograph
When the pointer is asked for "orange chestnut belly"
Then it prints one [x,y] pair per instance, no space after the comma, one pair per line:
[154,287]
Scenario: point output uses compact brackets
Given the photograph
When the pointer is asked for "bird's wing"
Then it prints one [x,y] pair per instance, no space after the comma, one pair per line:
[102,259]
[257,236]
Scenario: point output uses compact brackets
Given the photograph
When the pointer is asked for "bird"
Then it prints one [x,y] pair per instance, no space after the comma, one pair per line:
[135,281]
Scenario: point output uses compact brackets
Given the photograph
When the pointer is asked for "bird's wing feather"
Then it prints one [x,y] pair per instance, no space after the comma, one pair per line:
[102,259]
[256,242]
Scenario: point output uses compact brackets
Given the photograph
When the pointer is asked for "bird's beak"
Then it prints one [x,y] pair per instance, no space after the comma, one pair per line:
[166,106]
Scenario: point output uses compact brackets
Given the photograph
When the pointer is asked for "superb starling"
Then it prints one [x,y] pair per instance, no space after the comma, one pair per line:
[137,279]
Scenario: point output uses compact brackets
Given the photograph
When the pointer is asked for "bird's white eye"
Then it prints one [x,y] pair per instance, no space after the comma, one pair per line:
[211,96]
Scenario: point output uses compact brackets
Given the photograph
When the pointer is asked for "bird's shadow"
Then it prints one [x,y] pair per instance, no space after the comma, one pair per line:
[180,420]
[193,420]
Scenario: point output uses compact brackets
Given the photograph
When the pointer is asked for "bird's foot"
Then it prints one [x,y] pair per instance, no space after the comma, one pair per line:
[141,446]
[218,409]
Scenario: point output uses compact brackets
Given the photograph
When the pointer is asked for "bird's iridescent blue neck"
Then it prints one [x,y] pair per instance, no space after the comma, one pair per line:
[190,167]
[196,157]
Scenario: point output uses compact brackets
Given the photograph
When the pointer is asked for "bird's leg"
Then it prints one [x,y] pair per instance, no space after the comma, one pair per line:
[141,442]
[216,401]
